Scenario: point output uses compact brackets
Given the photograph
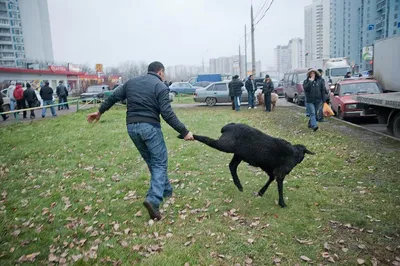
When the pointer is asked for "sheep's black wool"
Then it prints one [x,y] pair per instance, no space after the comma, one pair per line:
[275,156]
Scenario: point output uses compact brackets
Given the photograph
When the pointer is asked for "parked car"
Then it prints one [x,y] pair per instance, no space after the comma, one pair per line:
[293,86]
[279,89]
[95,91]
[217,92]
[6,100]
[182,88]
[342,98]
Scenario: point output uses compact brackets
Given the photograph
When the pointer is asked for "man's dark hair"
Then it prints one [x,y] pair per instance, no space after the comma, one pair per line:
[320,71]
[28,85]
[155,67]
[250,76]
[46,82]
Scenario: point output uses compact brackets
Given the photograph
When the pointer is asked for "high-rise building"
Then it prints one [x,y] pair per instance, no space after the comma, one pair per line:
[356,24]
[289,57]
[227,65]
[316,31]
[24,32]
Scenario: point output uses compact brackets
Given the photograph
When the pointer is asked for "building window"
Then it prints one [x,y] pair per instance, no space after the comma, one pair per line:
[395,16]
[394,32]
[396,7]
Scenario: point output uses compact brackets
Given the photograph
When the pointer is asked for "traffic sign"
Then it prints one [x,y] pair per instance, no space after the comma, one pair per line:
[99,68]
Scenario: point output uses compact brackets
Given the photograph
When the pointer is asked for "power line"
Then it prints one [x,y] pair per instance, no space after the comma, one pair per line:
[265,12]
[259,11]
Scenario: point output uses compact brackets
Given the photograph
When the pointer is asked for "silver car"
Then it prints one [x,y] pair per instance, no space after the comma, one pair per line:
[217,92]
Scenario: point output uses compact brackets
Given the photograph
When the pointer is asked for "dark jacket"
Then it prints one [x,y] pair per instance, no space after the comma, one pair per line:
[268,87]
[61,91]
[46,93]
[146,98]
[315,90]
[29,95]
[235,87]
[249,86]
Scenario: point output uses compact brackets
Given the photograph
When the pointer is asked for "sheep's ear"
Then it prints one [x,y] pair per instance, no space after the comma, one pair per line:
[308,152]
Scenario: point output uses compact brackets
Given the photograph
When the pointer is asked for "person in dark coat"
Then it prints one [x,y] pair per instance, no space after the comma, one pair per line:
[30,98]
[231,95]
[62,94]
[236,86]
[19,97]
[268,88]
[315,95]
[251,89]
[5,117]
[348,75]
[46,92]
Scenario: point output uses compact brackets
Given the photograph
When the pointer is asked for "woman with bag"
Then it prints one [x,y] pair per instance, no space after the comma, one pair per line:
[31,99]
[315,95]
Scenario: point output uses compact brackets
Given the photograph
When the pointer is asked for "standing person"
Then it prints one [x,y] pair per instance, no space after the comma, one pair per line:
[46,92]
[30,98]
[62,94]
[5,117]
[268,88]
[237,85]
[348,75]
[19,97]
[320,113]
[315,93]
[251,89]
[231,94]
[147,97]
[10,94]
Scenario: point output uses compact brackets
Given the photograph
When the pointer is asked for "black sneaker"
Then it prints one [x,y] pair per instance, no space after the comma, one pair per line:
[154,213]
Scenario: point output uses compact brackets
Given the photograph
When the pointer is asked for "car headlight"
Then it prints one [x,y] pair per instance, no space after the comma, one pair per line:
[351,106]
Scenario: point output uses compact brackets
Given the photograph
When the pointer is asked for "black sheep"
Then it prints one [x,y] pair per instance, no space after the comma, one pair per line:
[276,157]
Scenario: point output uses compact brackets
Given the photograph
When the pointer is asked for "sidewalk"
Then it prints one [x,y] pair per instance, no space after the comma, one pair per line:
[38,113]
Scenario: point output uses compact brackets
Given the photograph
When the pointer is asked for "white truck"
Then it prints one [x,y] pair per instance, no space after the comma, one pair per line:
[386,65]
[334,68]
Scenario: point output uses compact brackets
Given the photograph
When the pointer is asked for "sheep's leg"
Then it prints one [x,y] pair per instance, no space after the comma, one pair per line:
[280,191]
[264,188]
[233,167]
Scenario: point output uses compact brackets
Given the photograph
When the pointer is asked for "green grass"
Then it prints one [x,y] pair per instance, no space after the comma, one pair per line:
[183,99]
[66,186]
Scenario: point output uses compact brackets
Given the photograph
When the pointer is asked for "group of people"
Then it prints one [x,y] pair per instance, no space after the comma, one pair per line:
[21,99]
[235,92]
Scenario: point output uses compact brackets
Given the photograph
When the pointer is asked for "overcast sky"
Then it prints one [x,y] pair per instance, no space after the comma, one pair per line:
[173,32]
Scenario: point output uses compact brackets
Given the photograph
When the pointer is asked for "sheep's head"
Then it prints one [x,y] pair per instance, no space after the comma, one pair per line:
[301,150]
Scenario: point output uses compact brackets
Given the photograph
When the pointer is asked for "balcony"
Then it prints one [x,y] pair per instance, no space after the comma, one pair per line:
[381,5]
[379,26]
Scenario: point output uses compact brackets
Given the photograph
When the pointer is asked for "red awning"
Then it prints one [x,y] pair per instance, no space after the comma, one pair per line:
[40,72]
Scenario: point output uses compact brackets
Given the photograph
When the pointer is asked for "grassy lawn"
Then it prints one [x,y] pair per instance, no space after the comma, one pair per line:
[183,98]
[72,193]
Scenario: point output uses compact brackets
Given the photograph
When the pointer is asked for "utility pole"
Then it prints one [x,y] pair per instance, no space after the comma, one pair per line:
[203,65]
[240,65]
[253,51]
[245,51]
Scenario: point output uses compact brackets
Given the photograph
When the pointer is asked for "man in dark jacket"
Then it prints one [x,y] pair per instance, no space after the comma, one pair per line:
[251,89]
[46,92]
[268,88]
[231,95]
[62,94]
[315,95]
[236,86]
[5,117]
[19,97]
[148,97]
[30,98]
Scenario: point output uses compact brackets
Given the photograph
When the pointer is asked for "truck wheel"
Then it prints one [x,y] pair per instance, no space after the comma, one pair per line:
[395,126]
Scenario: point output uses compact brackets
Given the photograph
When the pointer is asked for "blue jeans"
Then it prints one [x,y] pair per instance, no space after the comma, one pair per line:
[13,103]
[267,100]
[250,99]
[237,99]
[307,109]
[313,108]
[149,140]
[48,102]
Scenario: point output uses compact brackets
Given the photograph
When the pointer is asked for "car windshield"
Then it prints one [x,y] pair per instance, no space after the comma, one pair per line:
[336,72]
[302,77]
[201,84]
[360,88]
[94,89]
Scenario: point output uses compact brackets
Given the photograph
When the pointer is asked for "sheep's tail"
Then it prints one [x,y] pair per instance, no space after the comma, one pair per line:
[213,143]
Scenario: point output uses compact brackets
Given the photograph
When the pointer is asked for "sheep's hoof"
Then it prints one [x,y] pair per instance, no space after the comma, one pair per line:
[240,189]
[282,204]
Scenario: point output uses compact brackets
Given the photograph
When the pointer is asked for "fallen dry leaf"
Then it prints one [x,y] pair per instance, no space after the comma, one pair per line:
[188,243]
[16,233]
[326,246]
[304,241]
[75,258]
[305,258]
[360,261]
[361,246]
[277,261]
[248,261]
[251,241]
[30,257]
[345,250]
[53,258]
[116,227]
[138,214]
[124,243]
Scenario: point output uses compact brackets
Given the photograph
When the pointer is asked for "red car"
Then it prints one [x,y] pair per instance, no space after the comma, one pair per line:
[342,98]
